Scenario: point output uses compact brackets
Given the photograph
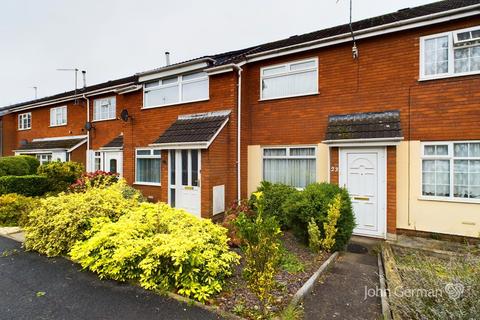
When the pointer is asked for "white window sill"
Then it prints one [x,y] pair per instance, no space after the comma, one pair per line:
[174,104]
[292,96]
[446,199]
[58,125]
[152,184]
[24,129]
[447,76]
[108,119]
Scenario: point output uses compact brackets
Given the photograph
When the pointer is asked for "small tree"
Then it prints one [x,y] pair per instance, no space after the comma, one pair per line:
[261,237]
[314,237]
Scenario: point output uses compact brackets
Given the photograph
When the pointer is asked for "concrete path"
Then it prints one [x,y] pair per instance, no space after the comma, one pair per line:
[341,292]
[14,233]
[35,287]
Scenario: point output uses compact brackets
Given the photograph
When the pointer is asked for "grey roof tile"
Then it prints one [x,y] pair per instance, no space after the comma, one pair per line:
[117,142]
[370,125]
[194,129]
[51,144]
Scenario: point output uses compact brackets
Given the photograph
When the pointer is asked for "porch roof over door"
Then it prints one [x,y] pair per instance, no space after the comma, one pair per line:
[194,131]
[381,127]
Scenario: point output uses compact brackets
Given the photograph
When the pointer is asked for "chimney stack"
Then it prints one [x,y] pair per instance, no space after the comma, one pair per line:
[84,75]
[167,58]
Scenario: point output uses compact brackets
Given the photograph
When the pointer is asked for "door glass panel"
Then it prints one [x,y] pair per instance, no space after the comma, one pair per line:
[195,168]
[172,197]
[184,167]
[113,165]
[172,167]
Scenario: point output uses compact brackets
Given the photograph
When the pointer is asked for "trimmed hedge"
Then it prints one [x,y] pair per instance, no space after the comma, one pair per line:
[32,161]
[31,185]
[14,166]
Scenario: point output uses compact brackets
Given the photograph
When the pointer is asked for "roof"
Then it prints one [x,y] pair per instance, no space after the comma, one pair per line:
[370,125]
[115,143]
[240,55]
[51,144]
[194,128]
[79,91]
[398,16]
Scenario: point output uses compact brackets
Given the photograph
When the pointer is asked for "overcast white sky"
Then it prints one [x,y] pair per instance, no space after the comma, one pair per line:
[116,38]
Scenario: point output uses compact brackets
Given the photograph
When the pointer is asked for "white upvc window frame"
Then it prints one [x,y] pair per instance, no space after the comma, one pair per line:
[288,156]
[180,83]
[451,35]
[44,158]
[287,66]
[152,155]
[54,118]
[25,121]
[451,157]
[99,103]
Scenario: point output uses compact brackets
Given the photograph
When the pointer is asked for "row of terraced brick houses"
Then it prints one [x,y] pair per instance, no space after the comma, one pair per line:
[398,125]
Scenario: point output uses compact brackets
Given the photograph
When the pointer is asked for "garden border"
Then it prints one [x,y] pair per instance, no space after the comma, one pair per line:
[308,286]
[386,310]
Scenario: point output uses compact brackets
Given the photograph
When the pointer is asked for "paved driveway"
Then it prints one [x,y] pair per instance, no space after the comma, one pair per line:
[36,287]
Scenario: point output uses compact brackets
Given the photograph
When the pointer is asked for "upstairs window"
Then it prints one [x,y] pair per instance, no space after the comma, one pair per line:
[450,54]
[451,170]
[25,121]
[294,166]
[104,109]
[288,80]
[177,89]
[58,116]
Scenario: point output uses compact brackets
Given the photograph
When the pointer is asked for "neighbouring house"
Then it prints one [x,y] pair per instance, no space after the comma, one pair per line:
[392,116]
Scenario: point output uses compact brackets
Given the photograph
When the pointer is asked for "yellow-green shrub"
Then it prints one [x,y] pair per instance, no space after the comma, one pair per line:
[314,237]
[14,209]
[162,248]
[58,222]
[329,227]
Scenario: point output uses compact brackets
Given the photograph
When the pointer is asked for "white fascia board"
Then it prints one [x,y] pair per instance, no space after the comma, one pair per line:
[60,138]
[218,132]
[33,151]
[177,69]
[367,33]
[221,69]
[77,145]
[180,145]
[364,142]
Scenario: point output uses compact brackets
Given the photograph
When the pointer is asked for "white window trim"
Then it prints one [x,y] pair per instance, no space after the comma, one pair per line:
[315,59]
[20,128]
[151,156]
[451,58]
[52,110]
[287,156]
[180,82]
[449,157]
[105,119]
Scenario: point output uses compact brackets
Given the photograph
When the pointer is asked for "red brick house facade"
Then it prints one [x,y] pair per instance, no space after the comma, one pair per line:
[397,124]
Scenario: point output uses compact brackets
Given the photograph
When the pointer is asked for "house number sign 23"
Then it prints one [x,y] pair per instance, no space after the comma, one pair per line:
[333,169]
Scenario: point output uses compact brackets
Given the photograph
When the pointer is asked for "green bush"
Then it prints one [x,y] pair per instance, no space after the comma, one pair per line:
[275,195]
[58,222]
[33,163]
[313,202]
[61,175]
[14,209]
[161,247]
[14,166]
[25,185]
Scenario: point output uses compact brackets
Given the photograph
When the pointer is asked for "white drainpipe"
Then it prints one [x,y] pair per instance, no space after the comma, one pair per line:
[239,131]
[88,133]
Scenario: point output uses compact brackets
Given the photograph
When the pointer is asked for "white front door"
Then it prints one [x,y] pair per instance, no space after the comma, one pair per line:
[184,180]
[363,173]
[113,162]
